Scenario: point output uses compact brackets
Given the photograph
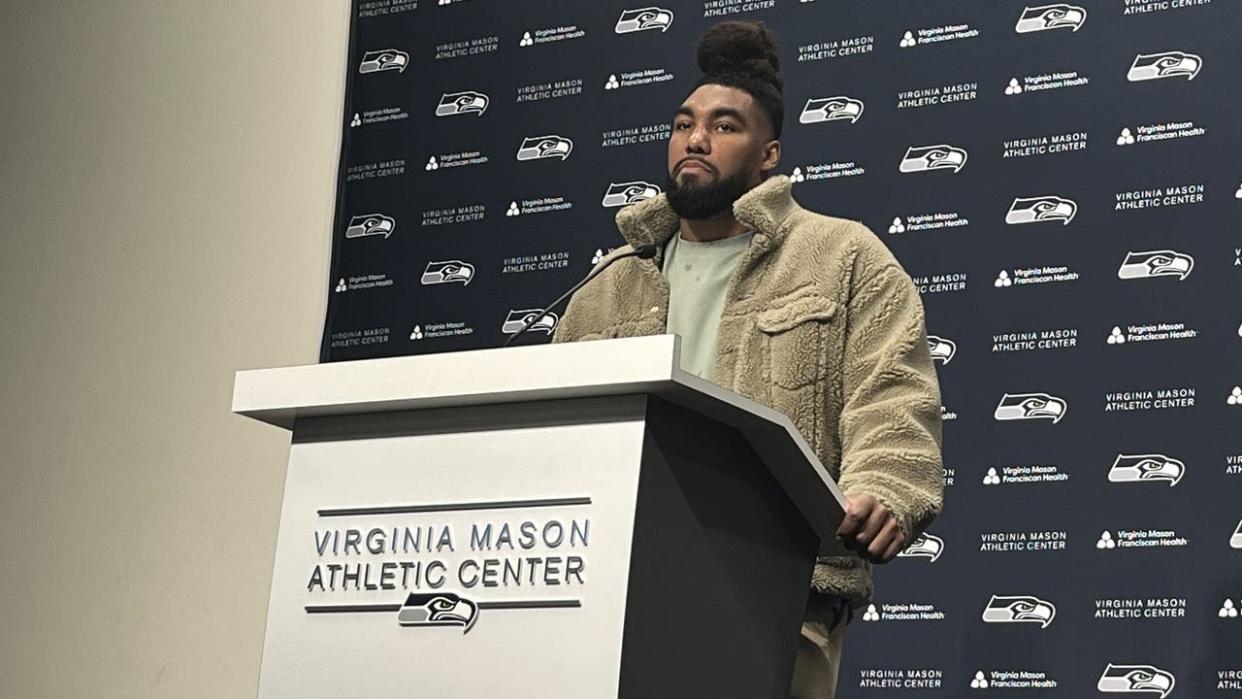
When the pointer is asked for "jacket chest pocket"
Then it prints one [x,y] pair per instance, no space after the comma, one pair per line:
[795,334]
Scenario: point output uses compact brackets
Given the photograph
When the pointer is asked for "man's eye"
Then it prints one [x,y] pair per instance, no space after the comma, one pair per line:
[681,126]
[726,127]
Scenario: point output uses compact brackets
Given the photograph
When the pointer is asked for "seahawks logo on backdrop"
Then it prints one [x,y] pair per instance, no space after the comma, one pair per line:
[1235,541]
[517,319]
[626,193]
[1156,263]
[925,546]
[1020,609]
[388,59]
[447,272]
[644,18]
[938,157]
[1030,406]
[469,102]
[1138,468]
[538,147]
[942,349]
[438,609]
[1041,210]
[370,224]
[823,109]
[1170,64]
[1136,679]
[1045,17]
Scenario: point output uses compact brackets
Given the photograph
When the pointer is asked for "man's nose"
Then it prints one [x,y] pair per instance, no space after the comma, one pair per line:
[699,141]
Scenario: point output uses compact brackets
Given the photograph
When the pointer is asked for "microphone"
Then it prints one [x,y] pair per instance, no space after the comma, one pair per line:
[645,252]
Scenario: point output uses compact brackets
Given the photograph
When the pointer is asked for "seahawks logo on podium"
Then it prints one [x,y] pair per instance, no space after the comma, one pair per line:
[539,147]
[1045,17]
[942,349]
[626,193]
[1021,609]
[925,546]
[831,109]
[1138,468]
[447,272]
[1041,210]
[1136,679]
[1170,64]
[438,609]
[388,59]
[644,18]
[370,224]
[1156,263]
[454,103]
[937,157]
[516,319]
[1030,406]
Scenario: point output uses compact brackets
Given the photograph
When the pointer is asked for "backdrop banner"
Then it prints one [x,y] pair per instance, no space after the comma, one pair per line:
[1061,181]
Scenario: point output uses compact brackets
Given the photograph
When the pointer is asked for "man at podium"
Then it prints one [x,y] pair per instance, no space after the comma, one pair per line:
[808,314]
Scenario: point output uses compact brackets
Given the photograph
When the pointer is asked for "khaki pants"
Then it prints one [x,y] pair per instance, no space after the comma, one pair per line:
[819,649]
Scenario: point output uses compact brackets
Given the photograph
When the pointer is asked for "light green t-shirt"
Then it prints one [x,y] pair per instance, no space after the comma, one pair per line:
[698,275]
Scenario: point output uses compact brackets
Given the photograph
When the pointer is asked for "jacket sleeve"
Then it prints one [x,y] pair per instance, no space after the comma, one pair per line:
[576,322]
[567,329]
[890,421]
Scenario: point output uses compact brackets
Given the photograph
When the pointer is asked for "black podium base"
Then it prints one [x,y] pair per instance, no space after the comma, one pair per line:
[720,567]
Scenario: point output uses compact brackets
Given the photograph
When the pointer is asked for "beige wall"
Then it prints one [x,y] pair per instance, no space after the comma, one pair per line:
[167,173]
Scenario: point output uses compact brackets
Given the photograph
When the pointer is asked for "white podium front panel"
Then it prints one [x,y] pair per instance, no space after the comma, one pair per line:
[460,564]
[562,371]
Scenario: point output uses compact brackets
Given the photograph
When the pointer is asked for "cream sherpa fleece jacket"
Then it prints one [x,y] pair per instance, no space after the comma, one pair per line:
[821,323]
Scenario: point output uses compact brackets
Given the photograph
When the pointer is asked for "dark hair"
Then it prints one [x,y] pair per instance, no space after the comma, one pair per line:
[743,55]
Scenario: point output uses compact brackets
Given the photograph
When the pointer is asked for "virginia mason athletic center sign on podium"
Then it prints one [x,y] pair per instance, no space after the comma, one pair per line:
[566,521]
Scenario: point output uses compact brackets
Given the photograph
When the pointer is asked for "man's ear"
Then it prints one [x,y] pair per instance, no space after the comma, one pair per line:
[771,157]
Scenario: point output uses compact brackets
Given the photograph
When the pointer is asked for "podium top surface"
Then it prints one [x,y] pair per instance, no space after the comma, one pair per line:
[280,396]
[592,369]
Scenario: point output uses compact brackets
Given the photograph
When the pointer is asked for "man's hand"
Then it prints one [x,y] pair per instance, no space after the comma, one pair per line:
[871,529]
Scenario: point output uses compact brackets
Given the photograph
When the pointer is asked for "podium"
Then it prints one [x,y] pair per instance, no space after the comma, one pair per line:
[570,520]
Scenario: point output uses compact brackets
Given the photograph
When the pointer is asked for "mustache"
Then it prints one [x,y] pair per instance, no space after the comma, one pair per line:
[710,168]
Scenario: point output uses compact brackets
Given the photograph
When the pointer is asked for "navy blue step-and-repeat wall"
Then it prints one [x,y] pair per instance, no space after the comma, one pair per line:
[1063,183]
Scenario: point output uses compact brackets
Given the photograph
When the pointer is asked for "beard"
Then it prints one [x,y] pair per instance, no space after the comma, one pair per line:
[695,202]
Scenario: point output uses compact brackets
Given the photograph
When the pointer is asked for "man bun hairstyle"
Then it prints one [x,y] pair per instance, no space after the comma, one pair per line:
[744,55]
